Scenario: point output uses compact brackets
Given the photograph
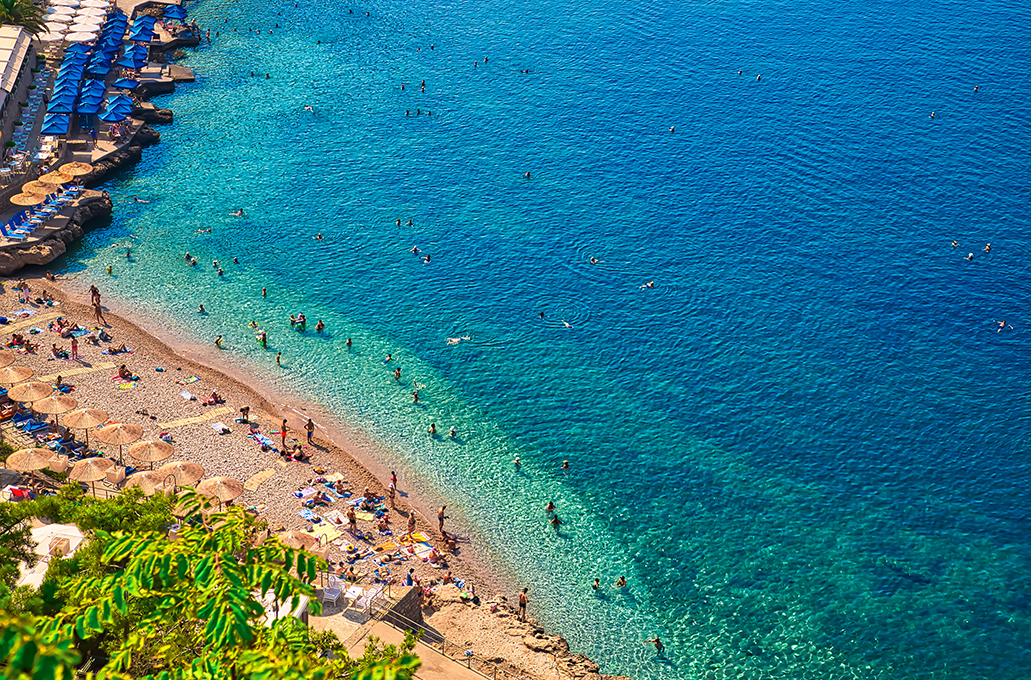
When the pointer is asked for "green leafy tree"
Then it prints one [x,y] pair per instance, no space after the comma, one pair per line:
[144,606]
[23,13]
[16,546]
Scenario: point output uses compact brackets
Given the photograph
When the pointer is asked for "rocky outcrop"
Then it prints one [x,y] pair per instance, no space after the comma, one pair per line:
[102,169]
[152,87]
[148,113]
[93,205]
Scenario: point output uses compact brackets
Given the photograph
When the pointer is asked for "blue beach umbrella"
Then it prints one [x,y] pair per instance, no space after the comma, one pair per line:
[76,48]
[54,125]
[100,69]
[112,116]
[175,12]
[87,108]
[136,52]
[62,106]
[142,34]
[125,84]
[131,63]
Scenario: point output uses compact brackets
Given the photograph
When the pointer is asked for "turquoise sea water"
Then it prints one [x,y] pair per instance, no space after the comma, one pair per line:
[806,447]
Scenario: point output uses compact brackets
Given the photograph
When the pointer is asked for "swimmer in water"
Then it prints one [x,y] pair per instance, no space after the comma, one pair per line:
[387,360]
[238,213]
[139,200]
[540,316]
[1002,325]
[415,249]
[451,433]
[318,236]
[128,253]
[426,260]
[988,248]
[970,256]
[671,128]
[566,324]
[109,269]
[201,310]
[650,284]
[565,465]
[307,107]
[516,462]
[526,175]
[218,342]
[593,260]
[319,327]
[954,244]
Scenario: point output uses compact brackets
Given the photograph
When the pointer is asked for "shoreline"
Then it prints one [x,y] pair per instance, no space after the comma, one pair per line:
[364,450]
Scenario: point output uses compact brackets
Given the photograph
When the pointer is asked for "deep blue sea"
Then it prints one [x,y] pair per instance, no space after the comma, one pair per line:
[806,446]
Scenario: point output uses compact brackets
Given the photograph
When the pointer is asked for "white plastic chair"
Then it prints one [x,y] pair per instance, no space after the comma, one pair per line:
[331,592]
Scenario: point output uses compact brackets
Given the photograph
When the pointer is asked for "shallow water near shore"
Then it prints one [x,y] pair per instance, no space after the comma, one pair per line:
[805,447]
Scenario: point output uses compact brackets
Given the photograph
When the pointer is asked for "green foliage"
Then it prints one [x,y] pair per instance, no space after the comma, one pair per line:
[23,13]
[15,544]
[25,654]
[5,448]
[150,608]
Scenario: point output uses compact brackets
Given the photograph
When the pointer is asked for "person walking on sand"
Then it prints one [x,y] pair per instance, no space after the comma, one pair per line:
[392,492]
[94,295]
[75,348]
[440,519]
[282,432]
[411,524]
[310,427]
[99,312]
[523,599]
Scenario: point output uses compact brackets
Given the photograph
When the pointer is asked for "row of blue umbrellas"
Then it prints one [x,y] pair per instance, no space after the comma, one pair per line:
[142,29]
[175,12]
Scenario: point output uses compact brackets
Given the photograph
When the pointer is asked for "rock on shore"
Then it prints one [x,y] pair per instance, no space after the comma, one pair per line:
[93,205]
[129,155]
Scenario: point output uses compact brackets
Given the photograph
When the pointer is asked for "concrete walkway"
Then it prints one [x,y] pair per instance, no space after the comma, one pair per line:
[435,666]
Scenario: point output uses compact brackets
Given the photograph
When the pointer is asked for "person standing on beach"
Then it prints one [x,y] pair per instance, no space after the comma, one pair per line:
[99,312]
[523,599]
[440,520]
[75,348]
[94,295]
[352,520]
[310,427]
[282,432]
[279,357]
[393,478]
[392,492]
[411,523]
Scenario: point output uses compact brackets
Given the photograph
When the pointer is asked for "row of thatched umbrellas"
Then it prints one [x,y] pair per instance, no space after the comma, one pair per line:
[36,192]
[42,398]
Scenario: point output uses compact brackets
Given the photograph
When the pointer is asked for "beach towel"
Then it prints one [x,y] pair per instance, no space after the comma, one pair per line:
[258,508]
[79,333]
[308,514]
[187,381]
[304,493]
[127,385]
[23,312]
[187,396]
[335,516]
[327,531]
[367,516]
[420,537]
[220,428]
[334,477]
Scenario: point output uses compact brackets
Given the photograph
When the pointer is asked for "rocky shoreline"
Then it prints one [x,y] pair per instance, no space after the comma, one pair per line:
[92,206]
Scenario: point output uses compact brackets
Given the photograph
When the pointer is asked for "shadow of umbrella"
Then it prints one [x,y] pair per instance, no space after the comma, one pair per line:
[91,470]
[54,405]
[119,434]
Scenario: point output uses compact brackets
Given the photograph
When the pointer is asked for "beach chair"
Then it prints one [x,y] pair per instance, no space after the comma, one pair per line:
[332,592]
[371,598]
[13,235]
[32,426]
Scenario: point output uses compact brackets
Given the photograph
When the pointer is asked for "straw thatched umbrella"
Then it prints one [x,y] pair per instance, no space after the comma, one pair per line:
[119,434]
[31,391]
[183,472]
[55,404]
[6,358]
[222,488]
[14,374]
[91,470]
[151,481]
[56,178]
[297,539]
[27,199]
[42,188]
[76,169]
[151,451]
[28,460]
[85,419]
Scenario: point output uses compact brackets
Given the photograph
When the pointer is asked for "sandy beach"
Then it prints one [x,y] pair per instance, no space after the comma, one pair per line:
[156,403]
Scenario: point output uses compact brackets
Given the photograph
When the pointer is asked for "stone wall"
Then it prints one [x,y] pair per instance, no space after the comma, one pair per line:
[93,205]
[406,614]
